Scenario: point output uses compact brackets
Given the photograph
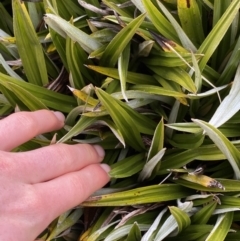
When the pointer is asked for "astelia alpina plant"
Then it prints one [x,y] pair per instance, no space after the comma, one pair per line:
[156,83]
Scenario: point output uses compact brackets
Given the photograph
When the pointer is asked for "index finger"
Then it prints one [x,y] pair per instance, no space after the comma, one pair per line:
[22,126]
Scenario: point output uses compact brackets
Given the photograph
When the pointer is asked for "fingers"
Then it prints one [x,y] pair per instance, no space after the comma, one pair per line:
[23,126]
[68,191]
[53,161]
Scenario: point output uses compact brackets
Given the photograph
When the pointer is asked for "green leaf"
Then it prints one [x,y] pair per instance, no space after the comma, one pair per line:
[83,123]
[169,59]
[171,223]
[221,227]
[190,18]
[193,232]
[185,127]
[227,148]
[59,43]
[231,66]
[125,119]
[230,201]
[181,217]
[148,168]
[73,54]
[124,231]
[115,6]
[132,77]
[178,75]
[120,41]
[198,76]
[6,24]
[155,154]
[113,128]
[147,194]
[204,214]
[186,42]
[123,69]
[159,21]
[180,158]
[134,233]
[94,236]
[65,28]
[151,89]
[227,40]
[128,166]
[49,98]
[215,36]
[187,141]
[29,47]
[25,96]
[65,221]
[100,221]
[157,140]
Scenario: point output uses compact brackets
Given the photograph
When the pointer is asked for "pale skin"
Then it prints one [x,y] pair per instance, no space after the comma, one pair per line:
[37,186]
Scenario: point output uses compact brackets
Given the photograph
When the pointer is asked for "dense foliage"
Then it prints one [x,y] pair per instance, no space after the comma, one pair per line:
[157,84]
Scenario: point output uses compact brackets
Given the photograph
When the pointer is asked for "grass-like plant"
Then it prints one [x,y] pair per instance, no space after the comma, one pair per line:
[157,84]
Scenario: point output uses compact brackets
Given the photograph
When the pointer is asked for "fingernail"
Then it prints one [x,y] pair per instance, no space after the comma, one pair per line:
[105,167]
[99,150]
[59,115]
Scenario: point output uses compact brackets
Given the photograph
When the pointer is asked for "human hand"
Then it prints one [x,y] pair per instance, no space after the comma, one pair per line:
[37,186]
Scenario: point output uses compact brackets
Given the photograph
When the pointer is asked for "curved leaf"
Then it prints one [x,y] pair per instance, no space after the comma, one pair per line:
[83,123]
[120,41]
[221,227]
[178,75]
[128,121]
[230,105]
[227,148]
[181,217]
[65,28]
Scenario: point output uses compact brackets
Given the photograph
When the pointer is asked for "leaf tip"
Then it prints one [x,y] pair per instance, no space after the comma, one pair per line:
[71,89]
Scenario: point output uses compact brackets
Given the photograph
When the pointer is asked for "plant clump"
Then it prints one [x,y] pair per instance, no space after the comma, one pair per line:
[156,84]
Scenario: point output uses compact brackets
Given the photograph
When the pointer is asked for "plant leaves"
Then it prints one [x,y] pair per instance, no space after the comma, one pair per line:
[181,217]
[178,75]
[150,165]
[123,116]
[190,18]
[215,36]
[221,228]
[33,59]
[230,105]
[159,21]
[128,166]
[65,28]
[147,194]
[227,148]
[123,69]
[186,42]
[119,42]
